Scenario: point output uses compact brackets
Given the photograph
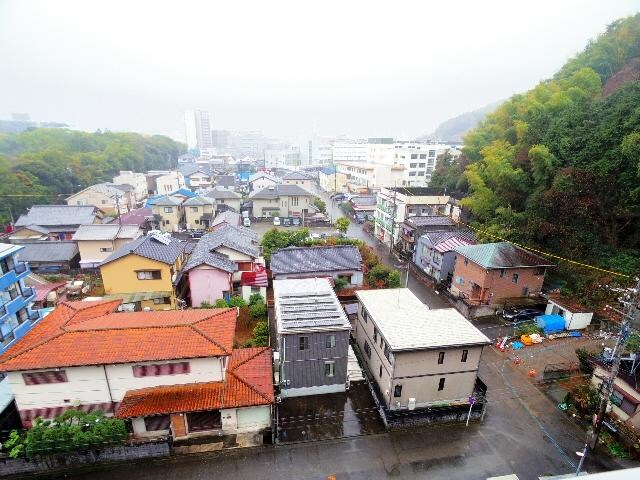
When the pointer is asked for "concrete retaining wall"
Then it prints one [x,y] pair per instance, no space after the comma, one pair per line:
[16,466]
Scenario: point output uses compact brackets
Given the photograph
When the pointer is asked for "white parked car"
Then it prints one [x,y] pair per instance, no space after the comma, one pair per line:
[276,221]
[246,221]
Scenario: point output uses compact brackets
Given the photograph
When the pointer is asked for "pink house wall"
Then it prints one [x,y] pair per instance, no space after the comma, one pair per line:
[207,284]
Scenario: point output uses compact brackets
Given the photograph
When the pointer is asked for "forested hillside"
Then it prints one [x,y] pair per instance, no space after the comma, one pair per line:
[46,165]
[558,167]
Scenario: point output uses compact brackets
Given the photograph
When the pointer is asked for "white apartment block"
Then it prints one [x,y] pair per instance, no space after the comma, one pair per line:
[137,180]
[282,157]
[369,176]
[350,152]
[396,204]
[198,129]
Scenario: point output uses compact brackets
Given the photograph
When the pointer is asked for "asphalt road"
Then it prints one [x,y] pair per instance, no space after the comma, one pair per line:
[523,433]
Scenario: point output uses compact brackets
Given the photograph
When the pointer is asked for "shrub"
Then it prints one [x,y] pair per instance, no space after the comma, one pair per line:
[381,276]
[257,310]
[341,283]
[583,357]
[527,329]
[342,225]
[237,301]
[255,298]
[206,305]
[261,334]
[221,303]
[73,431]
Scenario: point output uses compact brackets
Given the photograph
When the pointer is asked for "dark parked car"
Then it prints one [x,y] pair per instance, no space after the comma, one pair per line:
[295,221]
[197,234]
[520,314]
[338,197]
[360,217]
[286,222]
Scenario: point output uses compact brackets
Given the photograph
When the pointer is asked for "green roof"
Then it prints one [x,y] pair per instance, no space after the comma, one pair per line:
[501,255]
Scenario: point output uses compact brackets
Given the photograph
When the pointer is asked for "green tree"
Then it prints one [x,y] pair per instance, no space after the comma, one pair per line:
[237,301]
[255,298]
[275,239]
[259,335]
[320,204]
[381,276]
[257,310]
[342,225]
[73,431]
[221,303]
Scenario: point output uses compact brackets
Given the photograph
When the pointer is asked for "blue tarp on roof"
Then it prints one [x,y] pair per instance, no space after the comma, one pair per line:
[550,323]
[151,200]
[184,191]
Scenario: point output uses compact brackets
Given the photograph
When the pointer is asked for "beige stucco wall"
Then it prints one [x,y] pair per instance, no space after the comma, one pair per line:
[261,184]
[231,202]
[97,199]
[418,371]
[306,184]
[293,204]
[90,249]
[259,204]
[170,220]
[192,217]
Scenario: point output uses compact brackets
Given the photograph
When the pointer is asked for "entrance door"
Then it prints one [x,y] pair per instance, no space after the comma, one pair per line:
[203,421]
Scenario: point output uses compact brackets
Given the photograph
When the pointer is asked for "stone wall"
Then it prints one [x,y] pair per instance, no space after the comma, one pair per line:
[21,466]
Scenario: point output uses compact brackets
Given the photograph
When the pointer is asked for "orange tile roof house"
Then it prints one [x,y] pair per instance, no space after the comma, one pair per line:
[172,372]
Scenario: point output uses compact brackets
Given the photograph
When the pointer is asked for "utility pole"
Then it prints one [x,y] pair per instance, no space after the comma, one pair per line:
[632,304]
[118,209]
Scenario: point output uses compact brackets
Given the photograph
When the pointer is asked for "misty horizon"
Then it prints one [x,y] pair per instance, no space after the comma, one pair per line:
[286,69]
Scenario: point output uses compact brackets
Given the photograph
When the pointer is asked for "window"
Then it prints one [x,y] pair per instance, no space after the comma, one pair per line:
[367,349]
[159,422]
[423,156]
[162,301]
[159,369]
[330,341]
[397,391]
[421,165]
[413,165]
[149,275]
[515,277]
[106,249]
[465,354]
[412,174]
[329,369]
[466,261]
[440,358]
[168,209]
[375,334]
[49,376]
[503,271]
[414,156]
[380,372]
[539,271]
[294,201]
[363,312]
[304,343]
[22,315]
[194,209]
[197,222]
[441,385]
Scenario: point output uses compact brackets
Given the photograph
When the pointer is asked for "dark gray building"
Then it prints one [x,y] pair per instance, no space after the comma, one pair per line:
[312,337]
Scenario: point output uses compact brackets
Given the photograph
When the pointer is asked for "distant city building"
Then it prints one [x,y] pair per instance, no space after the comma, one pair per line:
[221,140]
[198,130]
[279,156]
[250,144]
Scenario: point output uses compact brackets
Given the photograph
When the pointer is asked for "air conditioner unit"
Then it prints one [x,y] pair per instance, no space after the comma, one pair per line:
[412,404]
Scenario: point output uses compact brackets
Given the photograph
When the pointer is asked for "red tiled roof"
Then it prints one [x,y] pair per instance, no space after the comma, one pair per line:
[248,382]
[42,290]
[90,333]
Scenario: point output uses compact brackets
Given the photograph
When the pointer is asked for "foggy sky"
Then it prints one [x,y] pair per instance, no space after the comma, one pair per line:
[361,68]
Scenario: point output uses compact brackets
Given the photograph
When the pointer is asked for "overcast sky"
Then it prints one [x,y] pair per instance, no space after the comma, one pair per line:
[393,68]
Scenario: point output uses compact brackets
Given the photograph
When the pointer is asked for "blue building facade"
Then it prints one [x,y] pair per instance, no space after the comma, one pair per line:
[16,316]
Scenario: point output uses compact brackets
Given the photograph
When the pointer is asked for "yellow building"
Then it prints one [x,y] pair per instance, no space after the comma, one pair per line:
[331,181]
[198,212]
[109,198]
[142,273]
[167,213]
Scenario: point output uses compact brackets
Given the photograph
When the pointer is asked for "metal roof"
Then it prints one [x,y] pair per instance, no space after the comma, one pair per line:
[430,220]
[277,190]
[296,176]
[221,193]
[106,232]
[259,175]
[406,323]
[48,251]
[229,217]
[501,255]
[307,304]
[316,259]
[226,180]
[204,254]
[7,249]
[198,201]
[55,215]
[232,237]
[164,201]
[160,248]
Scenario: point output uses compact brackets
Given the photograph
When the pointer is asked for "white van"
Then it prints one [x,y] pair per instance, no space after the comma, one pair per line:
[276,221]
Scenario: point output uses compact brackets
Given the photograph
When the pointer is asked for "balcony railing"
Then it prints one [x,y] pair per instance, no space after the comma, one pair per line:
[21,267]
[34,316]
[28,292]
[7,339]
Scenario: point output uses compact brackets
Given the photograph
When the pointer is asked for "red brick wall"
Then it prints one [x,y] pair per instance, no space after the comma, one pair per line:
[178,426]
[500,287]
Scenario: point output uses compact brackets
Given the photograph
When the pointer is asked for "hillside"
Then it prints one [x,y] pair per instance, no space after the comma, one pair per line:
[454,129]
[558,167]
[43,166]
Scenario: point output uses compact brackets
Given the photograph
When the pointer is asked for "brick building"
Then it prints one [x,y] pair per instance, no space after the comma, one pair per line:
[489,273]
